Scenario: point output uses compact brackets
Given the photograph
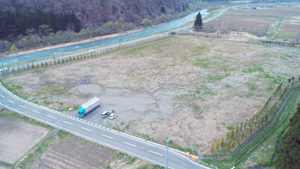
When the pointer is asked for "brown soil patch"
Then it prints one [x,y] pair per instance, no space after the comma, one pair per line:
[17,138]
[290,28]
[244,21]
[190,89]
[273,11]
[77,153]
[74,152]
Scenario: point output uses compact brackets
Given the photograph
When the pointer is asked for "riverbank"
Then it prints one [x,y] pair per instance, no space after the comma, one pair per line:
[68,44]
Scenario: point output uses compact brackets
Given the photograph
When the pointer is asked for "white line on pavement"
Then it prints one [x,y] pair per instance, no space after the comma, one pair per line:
[2,96]
[107,136]
[10,101]
[86,129]
[68,122]
[130,144]
[155,153]
[22,106]
[51,117]
[35,111]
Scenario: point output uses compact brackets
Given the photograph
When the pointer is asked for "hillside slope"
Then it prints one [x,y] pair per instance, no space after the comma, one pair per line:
[97,12]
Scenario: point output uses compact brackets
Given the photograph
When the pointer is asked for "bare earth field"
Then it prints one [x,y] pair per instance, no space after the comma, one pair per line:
[191,89]
[77,153]
[17,138]
[291,25]
[273,12]
[242,21]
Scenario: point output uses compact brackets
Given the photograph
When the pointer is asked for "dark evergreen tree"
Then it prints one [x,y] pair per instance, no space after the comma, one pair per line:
[198,22]
[288,152]
[14,24]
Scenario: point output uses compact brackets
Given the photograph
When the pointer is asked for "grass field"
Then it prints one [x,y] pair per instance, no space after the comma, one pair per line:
[188,88]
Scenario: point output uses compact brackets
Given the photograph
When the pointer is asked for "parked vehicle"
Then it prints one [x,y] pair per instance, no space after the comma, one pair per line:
[105,114]
[89,106]
[112,116]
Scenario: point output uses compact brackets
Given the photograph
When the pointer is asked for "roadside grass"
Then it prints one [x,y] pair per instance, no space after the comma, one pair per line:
[275,28]
[285,35]
[125,158]
[15,89]
[14,116]
[152,46]
[6,165]
[255,68]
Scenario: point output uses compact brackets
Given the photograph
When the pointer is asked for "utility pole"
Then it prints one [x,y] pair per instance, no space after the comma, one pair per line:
[166,161]
[62,123]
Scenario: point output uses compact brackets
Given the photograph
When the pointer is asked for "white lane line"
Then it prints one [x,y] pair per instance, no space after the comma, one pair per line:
[68,122]
[130,144]
[2,96]
[86,129]
[10,101]
[35,111]
[51,117]
[22,106]
[107,136]
[155,153]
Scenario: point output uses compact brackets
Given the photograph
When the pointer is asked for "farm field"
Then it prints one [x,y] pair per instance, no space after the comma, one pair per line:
[290,28]
[193,90]
[17,137]
[26,143]
[279,23]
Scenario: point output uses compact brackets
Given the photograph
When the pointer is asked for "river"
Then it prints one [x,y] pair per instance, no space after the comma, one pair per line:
[163,27]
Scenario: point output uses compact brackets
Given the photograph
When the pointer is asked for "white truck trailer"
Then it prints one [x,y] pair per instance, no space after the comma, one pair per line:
[89,106]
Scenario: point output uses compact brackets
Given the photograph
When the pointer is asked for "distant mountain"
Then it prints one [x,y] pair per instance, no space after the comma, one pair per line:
[94,13]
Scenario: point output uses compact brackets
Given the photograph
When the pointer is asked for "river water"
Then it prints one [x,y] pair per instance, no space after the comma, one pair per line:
[163,27]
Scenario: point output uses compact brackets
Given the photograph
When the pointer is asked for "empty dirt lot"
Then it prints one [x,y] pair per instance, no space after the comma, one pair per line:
[17,138]
[191,89]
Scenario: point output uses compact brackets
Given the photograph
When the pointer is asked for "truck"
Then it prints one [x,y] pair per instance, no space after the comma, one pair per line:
[89,106]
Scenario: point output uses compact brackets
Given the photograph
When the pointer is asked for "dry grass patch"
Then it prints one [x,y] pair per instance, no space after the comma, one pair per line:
[187,88]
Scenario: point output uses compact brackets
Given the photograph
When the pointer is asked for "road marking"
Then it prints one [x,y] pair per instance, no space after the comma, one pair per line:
[68,122]
[130,144]
[10,101]
[155,153]
[86,129]
[51,117]
[35,111]
[2,96]
[107,136]
[22,106]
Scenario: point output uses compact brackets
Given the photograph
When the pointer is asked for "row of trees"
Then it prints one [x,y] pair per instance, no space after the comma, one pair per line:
[247,128]
[29,66]
[288,155]
[14,24]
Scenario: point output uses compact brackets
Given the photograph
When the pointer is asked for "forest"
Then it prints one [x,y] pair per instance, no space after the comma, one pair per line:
[289,149]
[14,24]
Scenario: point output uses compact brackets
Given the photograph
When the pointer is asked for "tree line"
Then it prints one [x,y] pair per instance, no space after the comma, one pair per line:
[14,24]
[289,149]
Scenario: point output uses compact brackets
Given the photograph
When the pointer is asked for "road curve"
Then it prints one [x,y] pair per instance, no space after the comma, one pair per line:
[134,146]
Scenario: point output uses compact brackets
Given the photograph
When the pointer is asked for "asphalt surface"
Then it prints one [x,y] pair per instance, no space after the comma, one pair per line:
[137,147]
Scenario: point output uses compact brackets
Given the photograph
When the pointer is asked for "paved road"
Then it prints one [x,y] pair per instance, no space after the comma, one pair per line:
[143,149]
